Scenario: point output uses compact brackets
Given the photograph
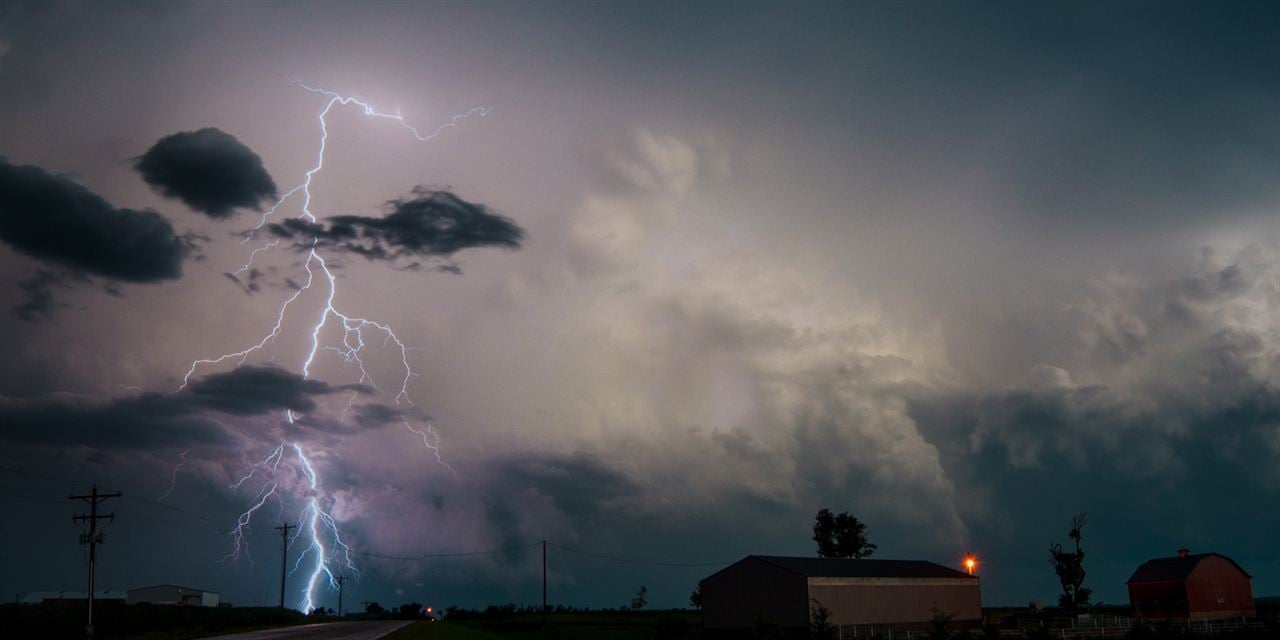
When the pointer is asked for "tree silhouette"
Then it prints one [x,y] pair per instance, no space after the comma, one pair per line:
[695,598]
[841,536]
[1069,565]
[820,627]
[641,599]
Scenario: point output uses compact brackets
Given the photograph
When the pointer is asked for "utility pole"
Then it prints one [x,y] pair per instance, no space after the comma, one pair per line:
[284,555]
[544,582]
[93,538]
[341,581]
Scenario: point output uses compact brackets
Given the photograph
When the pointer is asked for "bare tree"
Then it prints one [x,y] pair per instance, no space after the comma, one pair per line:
[1069,565]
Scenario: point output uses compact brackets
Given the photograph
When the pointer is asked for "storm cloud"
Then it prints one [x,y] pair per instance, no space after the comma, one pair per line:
[166,419]
[429,224]
[939,266]
[55,220]
[209,170]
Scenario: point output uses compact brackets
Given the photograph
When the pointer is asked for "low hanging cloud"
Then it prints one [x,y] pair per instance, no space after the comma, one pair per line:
[162,419]
[77,233]
[430,224]
[57,221]
[209,170]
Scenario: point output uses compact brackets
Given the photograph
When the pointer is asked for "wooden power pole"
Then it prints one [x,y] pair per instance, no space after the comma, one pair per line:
[93,538]
[544,582]
[284,555]
[342,580]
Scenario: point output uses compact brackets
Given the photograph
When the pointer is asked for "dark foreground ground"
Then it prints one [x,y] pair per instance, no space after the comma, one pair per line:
[653,625]
[367,630]
[1011,624]
[177,623]
[56,622]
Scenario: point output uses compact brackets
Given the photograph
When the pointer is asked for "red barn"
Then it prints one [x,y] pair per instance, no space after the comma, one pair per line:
[1200,586]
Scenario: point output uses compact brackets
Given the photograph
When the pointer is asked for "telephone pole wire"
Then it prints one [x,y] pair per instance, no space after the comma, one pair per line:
[93,538]
[342,580]
[284,557]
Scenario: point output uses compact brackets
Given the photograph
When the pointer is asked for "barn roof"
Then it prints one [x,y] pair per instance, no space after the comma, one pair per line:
[173,586]
[849,568]
[1175,568]
[36,597]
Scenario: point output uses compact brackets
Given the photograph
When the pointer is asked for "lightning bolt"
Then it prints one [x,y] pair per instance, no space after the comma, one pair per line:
[324,544]
[173,482]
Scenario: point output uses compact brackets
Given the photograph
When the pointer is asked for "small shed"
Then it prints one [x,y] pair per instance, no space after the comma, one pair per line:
[781,590]
[1199,586]
[173,595]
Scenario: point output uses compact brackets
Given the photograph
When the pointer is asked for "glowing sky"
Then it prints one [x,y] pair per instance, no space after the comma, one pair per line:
[960,270]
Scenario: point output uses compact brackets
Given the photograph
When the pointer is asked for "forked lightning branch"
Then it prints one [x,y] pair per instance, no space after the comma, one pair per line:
[324,554]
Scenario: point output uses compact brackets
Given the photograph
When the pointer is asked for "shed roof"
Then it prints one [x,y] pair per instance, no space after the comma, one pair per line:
[37,597]
[1175,568]
[171,586]
[850,568]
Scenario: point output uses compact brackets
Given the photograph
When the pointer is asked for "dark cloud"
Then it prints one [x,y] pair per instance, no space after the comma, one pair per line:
[55,220]
[37,302]
[159,419]
[141,422]
[360,417]
[431,224]
[209,170]
[254,390]
[580,486]
[1024,459]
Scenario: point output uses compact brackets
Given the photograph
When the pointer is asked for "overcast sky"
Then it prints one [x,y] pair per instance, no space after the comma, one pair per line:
[692,273]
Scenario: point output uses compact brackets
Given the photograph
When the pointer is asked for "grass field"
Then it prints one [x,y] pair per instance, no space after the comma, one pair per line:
[569,626]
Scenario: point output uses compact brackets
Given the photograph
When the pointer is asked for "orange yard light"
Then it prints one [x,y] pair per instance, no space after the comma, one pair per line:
[969,563]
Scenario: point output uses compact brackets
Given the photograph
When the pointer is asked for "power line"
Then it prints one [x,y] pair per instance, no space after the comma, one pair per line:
[147,501]
[432,556]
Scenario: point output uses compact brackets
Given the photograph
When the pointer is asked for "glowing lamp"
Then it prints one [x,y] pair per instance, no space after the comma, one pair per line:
[969,563]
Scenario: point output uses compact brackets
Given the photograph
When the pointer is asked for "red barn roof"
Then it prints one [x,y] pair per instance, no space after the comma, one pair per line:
[1175,568]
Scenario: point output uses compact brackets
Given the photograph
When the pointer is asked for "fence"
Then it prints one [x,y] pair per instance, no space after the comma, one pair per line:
[1111,626]
[1095,626]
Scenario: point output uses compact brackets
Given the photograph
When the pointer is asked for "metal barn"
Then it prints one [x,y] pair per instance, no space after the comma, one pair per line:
[1193,586]
[171,594]
[894,594]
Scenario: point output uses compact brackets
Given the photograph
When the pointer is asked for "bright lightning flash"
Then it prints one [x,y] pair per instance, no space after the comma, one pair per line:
[324,543]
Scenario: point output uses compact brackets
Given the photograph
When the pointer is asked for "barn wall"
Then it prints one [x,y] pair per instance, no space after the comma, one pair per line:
[750,589]
[173,595]
[893,601]
[1158,600]
[164,594]
[1218,589]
